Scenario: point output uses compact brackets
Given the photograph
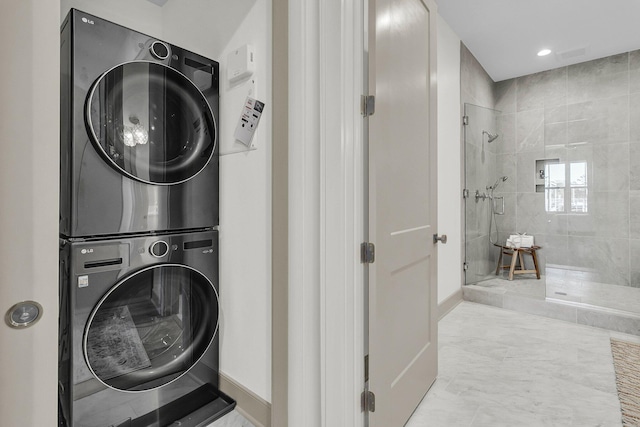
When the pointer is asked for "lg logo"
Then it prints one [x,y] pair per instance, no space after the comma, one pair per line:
[86,251]
[87,21]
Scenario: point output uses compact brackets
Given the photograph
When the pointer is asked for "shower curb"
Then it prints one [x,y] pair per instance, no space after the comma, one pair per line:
[582,314]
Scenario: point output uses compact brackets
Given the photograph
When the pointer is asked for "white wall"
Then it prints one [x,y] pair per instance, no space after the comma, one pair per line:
[213,28]
[203,26]
[245,216]
[140,15]
[449,162]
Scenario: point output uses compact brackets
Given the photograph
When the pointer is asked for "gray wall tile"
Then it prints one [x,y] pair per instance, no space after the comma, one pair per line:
[607,165]
[601,260]
[555,114]
[555,133]
[634,215]
[634,254]
[505,96]
[556,224]
[611,167]
[530,130]
[540,90]
[532,217]
[476,85]
[506,165]
[507,222]
[634,166]
[556,247]
[506,143]
[599,121]
[526,164]
[634,60]
[634,117]
[607,216]
[634,71]
[600,78]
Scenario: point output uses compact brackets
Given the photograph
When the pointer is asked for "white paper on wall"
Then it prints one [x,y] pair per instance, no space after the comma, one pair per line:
[249,119]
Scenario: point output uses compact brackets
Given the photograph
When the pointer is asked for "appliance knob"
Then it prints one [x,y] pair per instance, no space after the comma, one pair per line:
[159,249]
[159,50]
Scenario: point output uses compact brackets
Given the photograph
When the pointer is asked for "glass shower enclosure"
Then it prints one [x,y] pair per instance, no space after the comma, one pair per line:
[486,212]
[576,193]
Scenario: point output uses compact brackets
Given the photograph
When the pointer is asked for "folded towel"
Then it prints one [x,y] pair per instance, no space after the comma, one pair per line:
[520,240]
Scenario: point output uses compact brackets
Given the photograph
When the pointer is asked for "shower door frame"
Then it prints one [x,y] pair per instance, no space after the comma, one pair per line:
[468,193]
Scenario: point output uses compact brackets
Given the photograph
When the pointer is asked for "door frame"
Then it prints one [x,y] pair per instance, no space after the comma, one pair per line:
[326,332]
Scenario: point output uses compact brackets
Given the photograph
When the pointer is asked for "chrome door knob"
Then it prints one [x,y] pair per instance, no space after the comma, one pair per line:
[442,238]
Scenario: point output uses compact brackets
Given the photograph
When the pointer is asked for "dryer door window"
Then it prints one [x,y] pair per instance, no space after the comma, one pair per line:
[151,327]
[151,123]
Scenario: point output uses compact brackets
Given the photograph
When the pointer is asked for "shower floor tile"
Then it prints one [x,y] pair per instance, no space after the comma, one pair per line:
[503,368]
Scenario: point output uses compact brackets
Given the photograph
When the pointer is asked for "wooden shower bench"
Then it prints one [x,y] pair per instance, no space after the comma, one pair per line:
[516,255]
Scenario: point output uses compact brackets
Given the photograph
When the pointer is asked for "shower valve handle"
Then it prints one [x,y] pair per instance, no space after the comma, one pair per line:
[442,238]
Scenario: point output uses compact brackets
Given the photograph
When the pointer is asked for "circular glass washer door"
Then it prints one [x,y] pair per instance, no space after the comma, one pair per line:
[151,123]
[151,327]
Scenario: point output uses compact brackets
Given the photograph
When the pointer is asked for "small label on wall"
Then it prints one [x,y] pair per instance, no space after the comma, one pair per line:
[249,119]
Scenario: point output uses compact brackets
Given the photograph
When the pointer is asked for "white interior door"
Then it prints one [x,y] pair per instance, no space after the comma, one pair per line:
[402,208]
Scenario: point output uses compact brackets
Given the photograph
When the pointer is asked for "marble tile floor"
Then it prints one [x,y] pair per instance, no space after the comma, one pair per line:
[232,419]
[503,368]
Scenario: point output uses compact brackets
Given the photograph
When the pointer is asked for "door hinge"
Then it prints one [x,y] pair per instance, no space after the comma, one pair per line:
[367,253]
[367,105]
[368,399]
[465,120]
[465,194]
[465,266]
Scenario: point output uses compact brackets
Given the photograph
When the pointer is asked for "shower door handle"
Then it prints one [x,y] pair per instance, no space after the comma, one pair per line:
[442,238]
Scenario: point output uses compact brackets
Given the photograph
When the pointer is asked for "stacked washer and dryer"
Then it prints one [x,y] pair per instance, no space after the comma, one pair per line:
[138,225]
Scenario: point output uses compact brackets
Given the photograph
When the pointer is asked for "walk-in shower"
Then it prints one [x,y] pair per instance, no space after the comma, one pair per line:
[579,200]
[571,152]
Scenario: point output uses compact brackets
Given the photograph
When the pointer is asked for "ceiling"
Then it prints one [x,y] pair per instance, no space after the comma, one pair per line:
[505,35]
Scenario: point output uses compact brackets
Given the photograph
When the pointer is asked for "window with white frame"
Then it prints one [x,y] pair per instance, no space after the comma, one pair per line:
[566,187]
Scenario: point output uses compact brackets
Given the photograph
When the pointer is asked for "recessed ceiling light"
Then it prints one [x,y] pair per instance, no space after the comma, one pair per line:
[544,52]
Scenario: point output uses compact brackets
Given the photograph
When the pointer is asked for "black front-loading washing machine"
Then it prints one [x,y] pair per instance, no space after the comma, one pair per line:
[138,132]
[139,331]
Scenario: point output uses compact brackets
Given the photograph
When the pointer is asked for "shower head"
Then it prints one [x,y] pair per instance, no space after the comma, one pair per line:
[490,136]
[498,182]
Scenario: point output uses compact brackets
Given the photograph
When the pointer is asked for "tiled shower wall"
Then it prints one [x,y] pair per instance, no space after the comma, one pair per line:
[588,112]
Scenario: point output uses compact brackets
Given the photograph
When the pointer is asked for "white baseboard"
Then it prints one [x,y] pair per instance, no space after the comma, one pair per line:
[248,404]
[449,304]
